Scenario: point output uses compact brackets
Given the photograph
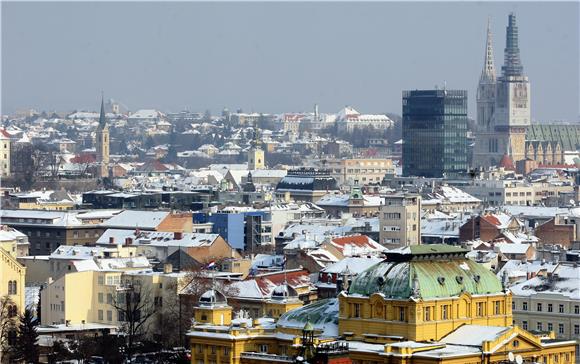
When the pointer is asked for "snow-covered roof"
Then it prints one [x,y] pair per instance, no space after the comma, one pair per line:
[474,335]
[354,265]
[511,248]
[564,280]
[157,238]
[137,219]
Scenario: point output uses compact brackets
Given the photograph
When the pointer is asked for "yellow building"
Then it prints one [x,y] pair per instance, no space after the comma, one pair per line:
[4,153]
[422,304]
[12,278]
[92,296]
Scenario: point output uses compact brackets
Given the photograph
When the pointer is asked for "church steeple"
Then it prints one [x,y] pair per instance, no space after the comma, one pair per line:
[102,143]
[512,63]
[488,72]
[102,116]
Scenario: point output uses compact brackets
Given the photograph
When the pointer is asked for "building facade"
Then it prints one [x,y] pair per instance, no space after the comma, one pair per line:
[434,133]
[400,220]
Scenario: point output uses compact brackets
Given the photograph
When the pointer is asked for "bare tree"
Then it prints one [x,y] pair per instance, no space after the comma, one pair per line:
[176,318]
[8,323]
[135,307]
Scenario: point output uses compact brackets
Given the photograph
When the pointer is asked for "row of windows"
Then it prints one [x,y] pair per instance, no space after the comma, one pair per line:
[550,327]
[549,307]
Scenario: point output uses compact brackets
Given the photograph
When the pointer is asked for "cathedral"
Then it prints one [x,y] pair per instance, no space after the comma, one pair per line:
[503,105]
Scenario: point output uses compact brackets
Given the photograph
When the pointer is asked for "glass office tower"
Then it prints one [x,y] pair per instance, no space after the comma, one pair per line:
[434,133]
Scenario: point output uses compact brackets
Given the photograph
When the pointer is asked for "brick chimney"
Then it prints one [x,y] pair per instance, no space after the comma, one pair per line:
[178,235]
[111,240]
[128,241]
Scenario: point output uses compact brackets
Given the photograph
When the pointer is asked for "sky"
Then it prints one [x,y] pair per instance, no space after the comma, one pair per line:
[277,57]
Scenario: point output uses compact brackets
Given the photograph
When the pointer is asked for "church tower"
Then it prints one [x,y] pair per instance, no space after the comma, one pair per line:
[512,106]
[485,106]
[102,141]
[256,154]
[503,105]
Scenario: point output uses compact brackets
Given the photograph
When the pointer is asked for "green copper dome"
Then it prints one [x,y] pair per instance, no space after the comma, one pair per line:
[428,271]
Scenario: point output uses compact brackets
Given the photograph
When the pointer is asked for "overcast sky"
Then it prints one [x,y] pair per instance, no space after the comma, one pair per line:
[275,57]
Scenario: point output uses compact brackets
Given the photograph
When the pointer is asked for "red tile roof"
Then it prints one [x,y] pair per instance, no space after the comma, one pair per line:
[295,279]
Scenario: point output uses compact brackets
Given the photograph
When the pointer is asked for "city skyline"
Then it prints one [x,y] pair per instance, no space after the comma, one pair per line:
[238,65]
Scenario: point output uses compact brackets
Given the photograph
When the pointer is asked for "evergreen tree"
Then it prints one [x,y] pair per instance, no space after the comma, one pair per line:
[26,347]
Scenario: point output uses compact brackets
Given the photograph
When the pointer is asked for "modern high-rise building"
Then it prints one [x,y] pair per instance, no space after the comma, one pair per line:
[503,104]
[434,133]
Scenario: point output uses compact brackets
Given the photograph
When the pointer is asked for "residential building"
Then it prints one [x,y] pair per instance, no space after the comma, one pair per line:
[549,301]
[349,119]
[434,133]
[47,230]
[354,203]
[160,245]
[400,220]
[306,185]
[358,171]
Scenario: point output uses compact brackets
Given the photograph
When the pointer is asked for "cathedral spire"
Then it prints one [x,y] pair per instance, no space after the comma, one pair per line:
[488,72]
[512,63]
[102,117]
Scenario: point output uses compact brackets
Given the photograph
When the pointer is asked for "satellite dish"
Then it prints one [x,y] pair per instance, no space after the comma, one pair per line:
[511,357]
[519,359]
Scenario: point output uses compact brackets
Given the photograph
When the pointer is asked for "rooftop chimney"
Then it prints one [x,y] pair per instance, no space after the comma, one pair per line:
[167,268]
[178,235]
[111,240]
[128,241]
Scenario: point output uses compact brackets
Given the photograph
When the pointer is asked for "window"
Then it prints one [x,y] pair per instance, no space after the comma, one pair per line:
[357,310]
[550,308]
[524,306]
[109,298]
[550,326]
[100,297]
[539,326]
[109,315]
[120,316]
[513,305]
[576,329]
[263,348]
[561,329]
[497,308]
[226,351]
[524,325]
[100,315]
[392,215]
[479,307]
[101,280]
[401,313]
[212,349]
[12,287]
[427,313]
[515,343]
[561,308]
[539,307]
[577,310]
